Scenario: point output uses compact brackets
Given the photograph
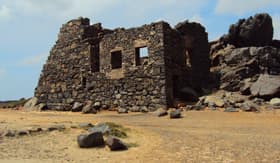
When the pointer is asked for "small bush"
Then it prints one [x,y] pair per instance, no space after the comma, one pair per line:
[117,130]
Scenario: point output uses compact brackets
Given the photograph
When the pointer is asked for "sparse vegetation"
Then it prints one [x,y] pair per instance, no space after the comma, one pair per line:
[13,103]
[117,130]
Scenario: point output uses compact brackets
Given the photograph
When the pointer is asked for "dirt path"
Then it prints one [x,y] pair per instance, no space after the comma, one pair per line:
[198,137]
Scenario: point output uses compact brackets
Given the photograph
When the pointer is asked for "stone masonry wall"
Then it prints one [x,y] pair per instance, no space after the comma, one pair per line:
[186,61]
[91,64]
[195,41]
[133,86]
[73,74]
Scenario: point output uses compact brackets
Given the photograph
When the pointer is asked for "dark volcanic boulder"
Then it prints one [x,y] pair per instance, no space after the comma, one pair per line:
[254,31]
[122,110]
[249,106]
[88,108]
[161,112]
[57,127]
[175,114]
[115,144]
[267,86]
[231,109]
[93,139]
[77,107]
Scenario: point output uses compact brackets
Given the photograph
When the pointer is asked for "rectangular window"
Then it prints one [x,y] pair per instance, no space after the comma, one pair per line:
[116,60]
[140,54]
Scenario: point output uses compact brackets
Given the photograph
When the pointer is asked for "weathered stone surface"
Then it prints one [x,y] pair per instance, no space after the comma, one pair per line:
[195,42]
[22,132]
[59,106]
[31,104]
[197,107]
[234,98]
[10,133]
[144,109]
[231,109]
[88,108]
[34,130]
[212,106]
[122,110]
[89,62]
[42,107]
[189,93]
[115,144]
[216,100]
[250,107]
[77,107]
[102,127]
[58,127]
[245,89]
[254,31]
[97,105]
[135,109]
[174,114]
[246,52]
[275,102]
[85,125]
[267,86]
[242,67]
[161,112]
[94,139]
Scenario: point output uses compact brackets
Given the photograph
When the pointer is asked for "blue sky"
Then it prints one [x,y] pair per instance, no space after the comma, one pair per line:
[29,28]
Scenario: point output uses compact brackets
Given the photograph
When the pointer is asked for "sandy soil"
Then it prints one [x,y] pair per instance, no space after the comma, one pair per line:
[197,137]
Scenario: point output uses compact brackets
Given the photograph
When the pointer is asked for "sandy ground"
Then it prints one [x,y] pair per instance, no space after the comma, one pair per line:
[207,136]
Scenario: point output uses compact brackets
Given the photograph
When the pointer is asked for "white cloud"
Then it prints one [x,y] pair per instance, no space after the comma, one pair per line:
[5,12]
[68,9]
[61,8]
[34,60]
[239,7]
[276,25]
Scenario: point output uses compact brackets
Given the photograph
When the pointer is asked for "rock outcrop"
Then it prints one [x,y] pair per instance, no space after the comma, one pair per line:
[242,66]
[254,31]
[247,61]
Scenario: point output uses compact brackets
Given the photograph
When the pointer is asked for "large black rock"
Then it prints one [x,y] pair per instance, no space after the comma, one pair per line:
[94,139]
[254,31]
[175,114]
[115,144]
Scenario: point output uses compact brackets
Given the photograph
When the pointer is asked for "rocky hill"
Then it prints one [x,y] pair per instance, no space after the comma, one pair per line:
[246,61]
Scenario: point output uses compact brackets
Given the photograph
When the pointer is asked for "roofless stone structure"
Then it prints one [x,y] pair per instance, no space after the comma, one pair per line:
[145,67]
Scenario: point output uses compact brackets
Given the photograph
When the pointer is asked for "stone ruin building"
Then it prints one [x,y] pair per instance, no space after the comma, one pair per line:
[138,68]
